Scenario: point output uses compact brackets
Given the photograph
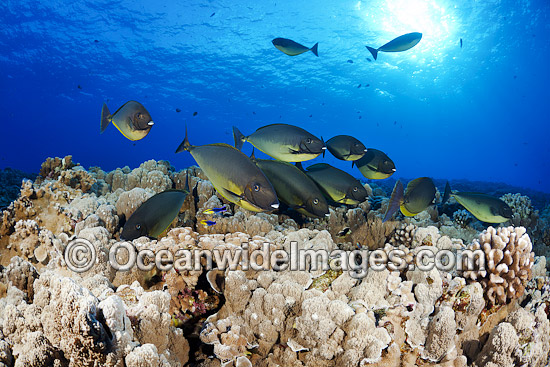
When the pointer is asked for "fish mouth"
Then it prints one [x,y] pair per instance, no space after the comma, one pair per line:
[366,150]
[275,206]
[150,123]
[393,169]
[304,149]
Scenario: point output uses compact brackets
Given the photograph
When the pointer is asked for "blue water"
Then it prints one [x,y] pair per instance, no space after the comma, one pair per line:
[478,112]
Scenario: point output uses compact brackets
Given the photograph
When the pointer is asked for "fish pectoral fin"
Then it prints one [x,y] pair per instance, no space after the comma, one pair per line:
[231,195]
[292,151]
[295,207]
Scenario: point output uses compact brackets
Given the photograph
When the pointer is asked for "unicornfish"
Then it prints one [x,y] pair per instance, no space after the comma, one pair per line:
[154,215]
[401,43]
[294,187]
[292,48]
[284,142]
[484,207]
[132,120]
[337,185]
[375,165]
[233,175]
[420,194]
[346,148]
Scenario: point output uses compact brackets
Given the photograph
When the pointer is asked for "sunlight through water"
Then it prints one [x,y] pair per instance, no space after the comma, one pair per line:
[392,18]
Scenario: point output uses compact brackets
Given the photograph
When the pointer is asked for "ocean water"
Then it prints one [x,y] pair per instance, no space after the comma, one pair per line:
[477,112]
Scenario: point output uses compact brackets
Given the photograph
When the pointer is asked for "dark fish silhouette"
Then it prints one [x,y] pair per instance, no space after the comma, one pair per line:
[401,43]
[292,48]
[154,215]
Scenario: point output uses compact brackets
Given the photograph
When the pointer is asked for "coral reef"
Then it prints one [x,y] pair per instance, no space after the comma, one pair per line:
[508,262]
[323,314]
[523,212]
[10,183]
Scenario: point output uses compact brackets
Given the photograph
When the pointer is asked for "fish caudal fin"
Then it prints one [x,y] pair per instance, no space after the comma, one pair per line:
[184,144]
[373,51]
[447,193]
[239,138]
[105,117]
[314,49]
[395,200]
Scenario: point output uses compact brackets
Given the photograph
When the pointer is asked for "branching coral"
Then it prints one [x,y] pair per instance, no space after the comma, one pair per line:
[462,218]
[373,233]
[52,167]
[403,235]
[523,212]
[508,262]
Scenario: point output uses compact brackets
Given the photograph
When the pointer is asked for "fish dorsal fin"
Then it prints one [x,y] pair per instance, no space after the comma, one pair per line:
[270,125]
[446,194]
[318,167]
[223,145]
[121,108]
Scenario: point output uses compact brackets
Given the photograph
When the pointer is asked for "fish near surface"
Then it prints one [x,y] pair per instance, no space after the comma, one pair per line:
[292,48]
[399,44]
[346,148]
[131,119]
[294,187]
[284,142]
[484,207]
[233,175]
[420,194]
[154,215]
[375,165]
[337,185]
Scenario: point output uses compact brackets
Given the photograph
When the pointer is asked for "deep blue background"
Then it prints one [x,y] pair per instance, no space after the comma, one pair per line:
[479,112]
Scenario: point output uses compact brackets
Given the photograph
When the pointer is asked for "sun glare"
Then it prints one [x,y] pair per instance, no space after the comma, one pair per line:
[393,18]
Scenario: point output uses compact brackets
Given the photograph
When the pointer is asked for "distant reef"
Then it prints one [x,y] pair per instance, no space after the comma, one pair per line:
[539,199]
[10,184]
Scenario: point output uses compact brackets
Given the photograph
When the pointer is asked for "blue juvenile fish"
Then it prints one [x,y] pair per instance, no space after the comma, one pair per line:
[207,223]
[215,210]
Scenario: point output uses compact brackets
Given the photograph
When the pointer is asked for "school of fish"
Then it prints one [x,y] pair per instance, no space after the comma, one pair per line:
[261,185]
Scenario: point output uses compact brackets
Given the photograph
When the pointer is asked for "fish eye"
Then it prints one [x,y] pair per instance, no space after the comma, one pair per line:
[315,201]
[138,226]
[355,189]
[256,187]
[308,141]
